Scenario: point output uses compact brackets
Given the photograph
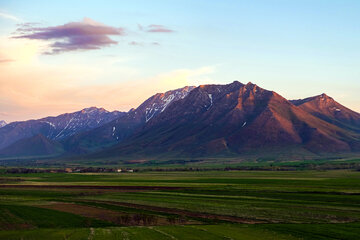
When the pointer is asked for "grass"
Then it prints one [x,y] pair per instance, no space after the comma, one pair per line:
[291,205]
[221,231]
[21,216]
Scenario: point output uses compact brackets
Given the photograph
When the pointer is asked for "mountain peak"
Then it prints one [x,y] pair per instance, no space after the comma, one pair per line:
[93,109]
[236,83]
[322,98]
[326,108]
[323,95]
[251,86]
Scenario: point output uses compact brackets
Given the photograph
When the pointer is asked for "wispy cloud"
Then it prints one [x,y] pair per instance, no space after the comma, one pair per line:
[85,35]
[134,43]
[141,44]
[25,27]
[9,17]
[155,28]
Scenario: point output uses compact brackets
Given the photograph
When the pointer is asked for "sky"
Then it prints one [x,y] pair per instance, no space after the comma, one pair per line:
[63,56]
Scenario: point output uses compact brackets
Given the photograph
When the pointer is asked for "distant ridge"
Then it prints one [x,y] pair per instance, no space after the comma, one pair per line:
[56,128]
[37,145]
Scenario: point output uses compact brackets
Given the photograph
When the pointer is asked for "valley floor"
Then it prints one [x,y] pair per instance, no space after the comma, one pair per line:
[181,205]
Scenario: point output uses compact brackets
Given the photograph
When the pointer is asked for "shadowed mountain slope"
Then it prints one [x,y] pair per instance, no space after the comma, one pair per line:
[37,145]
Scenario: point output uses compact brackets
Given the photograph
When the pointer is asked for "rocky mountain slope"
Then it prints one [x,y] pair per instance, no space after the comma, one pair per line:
[234,118]
[328,109]
[124,126]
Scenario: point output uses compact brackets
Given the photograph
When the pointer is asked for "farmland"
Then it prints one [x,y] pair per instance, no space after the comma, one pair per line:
[181,205]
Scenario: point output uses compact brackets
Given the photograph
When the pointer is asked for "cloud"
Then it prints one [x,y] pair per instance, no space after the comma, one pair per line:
[84,35]
[141,44]
[24,28]
[9,17]
[155,28]
[134,43]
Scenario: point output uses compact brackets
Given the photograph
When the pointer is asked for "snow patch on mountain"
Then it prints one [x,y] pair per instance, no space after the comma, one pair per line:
[2,123]
[159,102]
[167,101]
[50,123]
[211,101]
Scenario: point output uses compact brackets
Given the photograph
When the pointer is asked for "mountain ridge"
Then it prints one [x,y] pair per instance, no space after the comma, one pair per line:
[233,118]
[220,119]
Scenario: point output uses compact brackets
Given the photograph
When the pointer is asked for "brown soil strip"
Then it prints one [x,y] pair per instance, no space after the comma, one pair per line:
[106,214]
[14,223]
[185,212]
[85,211]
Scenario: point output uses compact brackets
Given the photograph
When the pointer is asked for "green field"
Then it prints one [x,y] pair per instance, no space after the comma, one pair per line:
[181,205]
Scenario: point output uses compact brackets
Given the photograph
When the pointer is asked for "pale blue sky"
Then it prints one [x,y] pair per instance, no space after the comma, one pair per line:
[296,48]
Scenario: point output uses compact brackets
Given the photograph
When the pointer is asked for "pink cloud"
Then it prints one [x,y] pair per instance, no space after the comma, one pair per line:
[84,35]
[155,28]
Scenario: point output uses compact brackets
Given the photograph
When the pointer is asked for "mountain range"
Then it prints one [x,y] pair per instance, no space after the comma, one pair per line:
[56,128]
[208,120]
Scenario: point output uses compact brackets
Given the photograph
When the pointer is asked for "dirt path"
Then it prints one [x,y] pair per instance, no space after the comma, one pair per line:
[184,212]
